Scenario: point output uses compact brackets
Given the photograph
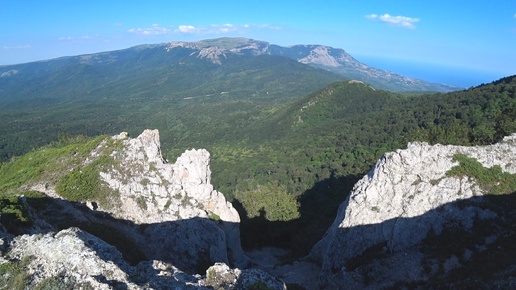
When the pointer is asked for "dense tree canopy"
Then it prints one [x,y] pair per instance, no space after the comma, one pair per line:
[282,160]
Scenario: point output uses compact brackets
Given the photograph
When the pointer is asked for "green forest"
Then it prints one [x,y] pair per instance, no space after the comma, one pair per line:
[285,163]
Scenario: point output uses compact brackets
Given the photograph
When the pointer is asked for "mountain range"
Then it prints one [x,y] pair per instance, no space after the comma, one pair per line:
[167,65]
[328,58]
[161,85]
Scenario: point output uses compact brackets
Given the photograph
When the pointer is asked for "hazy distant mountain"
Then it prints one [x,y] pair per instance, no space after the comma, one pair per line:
[332,59]
[239,66]
[158,86]
[162,71]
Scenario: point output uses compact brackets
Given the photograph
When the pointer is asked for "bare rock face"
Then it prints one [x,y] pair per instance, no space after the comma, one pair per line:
[403,199]
[74,254]
[152,190]
[166,217]
[184,217]
[220,276]
[74,259]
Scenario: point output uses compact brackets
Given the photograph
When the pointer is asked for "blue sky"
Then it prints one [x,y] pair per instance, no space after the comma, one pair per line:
[459,42]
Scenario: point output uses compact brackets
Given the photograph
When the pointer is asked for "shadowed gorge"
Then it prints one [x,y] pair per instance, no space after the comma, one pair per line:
[455,255]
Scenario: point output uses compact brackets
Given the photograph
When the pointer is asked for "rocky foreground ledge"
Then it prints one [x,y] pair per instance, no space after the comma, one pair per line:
[171,229]
[413,221]
[396,226]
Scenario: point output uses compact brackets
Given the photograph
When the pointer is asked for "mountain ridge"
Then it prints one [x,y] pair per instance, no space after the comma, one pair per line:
[331,59]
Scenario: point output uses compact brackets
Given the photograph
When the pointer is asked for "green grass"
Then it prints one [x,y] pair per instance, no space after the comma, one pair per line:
[59,164]
[13,274]
[493,179]
[14,215]
[44,165]
[213,216]
[84,183]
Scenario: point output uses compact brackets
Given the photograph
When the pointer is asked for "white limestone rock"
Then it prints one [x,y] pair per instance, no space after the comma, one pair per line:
[79,260]
[74,254]
[82,261]
[320,55]
[152,190]
[220,276]
[404,197]
[156,193]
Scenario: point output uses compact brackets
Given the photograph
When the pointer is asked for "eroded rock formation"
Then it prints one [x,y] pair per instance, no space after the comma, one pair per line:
[167,220]
[75,259]
[407,222]
[406,197]
[177,202]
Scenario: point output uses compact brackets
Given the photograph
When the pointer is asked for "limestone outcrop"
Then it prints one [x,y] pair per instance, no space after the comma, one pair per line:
[159,226]
[406,197]
[220,276]
[185,218]
[73,254]
[152,190]
[75,259]
[162,226]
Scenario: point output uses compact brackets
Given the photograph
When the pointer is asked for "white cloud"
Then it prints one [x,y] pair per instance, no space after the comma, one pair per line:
[399,21]
[78,38]
[186,29]
[17,46]
[156,29]
[224,28]
[263,26]
[212,29]
[90,37]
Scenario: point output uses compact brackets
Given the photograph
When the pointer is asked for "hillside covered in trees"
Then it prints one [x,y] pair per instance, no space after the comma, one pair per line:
[288,165]
[317,147]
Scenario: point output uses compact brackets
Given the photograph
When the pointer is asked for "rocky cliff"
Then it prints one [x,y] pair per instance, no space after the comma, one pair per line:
[154,192]
[150,225]
[409,198]
[75,259]
[429,216]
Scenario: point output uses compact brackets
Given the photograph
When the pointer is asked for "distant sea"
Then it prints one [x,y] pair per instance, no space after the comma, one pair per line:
[461,77]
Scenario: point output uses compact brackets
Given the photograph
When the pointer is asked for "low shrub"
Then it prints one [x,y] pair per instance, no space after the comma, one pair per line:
[493,179]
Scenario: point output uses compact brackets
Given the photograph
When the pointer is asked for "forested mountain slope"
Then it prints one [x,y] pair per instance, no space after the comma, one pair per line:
[144,87]
[319,146]
[183,87]
[268,142]
[348,125]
